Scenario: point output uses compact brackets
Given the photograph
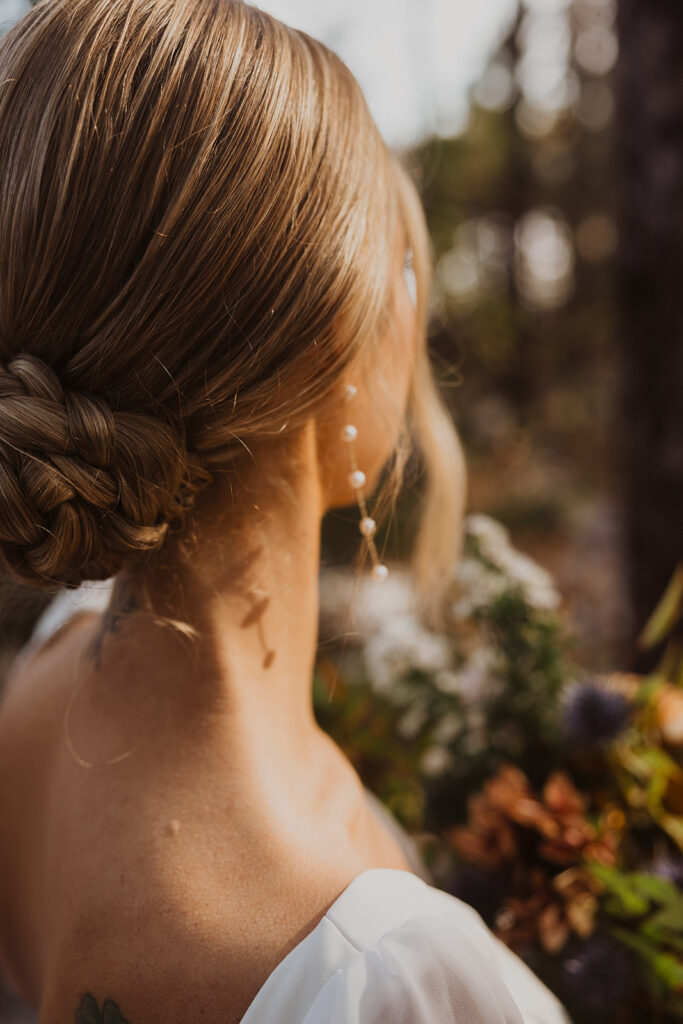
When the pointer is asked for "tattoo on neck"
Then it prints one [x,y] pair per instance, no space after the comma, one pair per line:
[88,1012]
[123,602]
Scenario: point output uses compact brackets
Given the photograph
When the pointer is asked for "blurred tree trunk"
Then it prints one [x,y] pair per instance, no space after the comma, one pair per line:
[650,211]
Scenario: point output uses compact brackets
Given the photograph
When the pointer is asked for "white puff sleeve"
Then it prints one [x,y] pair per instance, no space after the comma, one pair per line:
[435,968]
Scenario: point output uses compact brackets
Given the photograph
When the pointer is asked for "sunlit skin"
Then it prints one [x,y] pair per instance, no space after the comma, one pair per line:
[250,587]
[196,765]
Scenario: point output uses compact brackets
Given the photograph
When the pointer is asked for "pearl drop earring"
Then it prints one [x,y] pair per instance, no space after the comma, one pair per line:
[367,525]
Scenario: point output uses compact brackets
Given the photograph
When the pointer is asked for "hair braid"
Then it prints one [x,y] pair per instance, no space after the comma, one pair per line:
[84,488]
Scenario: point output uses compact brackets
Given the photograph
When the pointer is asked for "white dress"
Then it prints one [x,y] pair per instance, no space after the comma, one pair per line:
[392,948]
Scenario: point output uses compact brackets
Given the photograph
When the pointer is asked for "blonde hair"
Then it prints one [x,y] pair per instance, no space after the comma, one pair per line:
[197,231]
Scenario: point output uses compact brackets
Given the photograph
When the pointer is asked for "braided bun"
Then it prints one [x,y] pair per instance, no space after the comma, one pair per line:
[83,489]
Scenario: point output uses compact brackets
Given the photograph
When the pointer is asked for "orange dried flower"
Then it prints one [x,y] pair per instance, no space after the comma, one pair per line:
[507,801]
[550,909]
[669,714]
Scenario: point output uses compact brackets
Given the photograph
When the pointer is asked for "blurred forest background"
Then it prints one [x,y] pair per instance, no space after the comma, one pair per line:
[552,184]
[554,214]
[555,270]
[522,213]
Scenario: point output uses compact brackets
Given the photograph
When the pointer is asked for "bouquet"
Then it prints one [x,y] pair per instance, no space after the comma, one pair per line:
[549,799]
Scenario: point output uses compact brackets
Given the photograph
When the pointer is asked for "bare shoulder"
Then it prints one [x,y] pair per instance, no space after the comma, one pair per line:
[32,705]
[122,881]
[34,691]
[36,666]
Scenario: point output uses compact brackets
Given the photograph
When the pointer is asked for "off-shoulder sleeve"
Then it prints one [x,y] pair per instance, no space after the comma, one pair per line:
[433,969]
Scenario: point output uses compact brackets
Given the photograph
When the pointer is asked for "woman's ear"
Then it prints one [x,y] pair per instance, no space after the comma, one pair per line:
[359,432]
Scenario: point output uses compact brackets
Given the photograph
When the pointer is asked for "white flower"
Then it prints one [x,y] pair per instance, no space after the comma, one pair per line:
[435,761]
[401,645]
[477,587]
[447,728]
[492,536]
[478,677]
[535,582]
[357,607]
[517,571]
[412,720]
[474,738]
[475,680]
[448,681]
[401,694]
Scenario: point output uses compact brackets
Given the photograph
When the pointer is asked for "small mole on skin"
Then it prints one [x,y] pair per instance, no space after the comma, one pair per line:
[173,827]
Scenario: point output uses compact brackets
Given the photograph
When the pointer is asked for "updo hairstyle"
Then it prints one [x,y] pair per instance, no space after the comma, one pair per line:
[198,220]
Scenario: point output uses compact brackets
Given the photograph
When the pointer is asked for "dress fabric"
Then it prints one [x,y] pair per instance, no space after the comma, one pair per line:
[392,948]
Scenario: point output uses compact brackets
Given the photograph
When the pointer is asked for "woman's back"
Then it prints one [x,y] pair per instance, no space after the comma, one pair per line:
[203,244]
[158,877]
[167,892]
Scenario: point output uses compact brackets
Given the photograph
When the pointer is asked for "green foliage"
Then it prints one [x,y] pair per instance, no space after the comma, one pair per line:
[507,649]
[574,835]
[662,624]
[667,613]
[652,911]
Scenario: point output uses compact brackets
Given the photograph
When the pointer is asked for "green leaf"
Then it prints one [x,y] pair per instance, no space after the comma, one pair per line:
[660,890]
[669,918]
[622,900]
[661,937]
[626,903]
[666,614]
[669,969]
[641,945]
[670,668]
[666,968]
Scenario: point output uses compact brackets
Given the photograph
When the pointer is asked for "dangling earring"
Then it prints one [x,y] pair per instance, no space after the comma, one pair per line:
[367,525]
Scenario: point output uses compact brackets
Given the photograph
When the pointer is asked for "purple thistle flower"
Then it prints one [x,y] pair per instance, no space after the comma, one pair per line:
[598,977]
[593,715]
[669,867]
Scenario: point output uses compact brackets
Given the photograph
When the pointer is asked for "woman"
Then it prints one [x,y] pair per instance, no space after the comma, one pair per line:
[207,341]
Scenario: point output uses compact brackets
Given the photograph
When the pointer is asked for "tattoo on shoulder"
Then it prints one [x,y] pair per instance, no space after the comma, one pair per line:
[88,1012]
[123,602]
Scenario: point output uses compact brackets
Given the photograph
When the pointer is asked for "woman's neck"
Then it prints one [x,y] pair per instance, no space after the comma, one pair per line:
[246,582]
